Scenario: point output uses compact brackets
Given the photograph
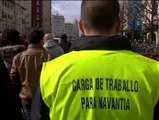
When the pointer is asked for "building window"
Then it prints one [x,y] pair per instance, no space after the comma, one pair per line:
[23,21]
[11,17]
[7,5]
[58,22]
[37,2]
[37,17]
[4,15]
[3,26]
[37,9]
[37,24]
[3,2]
[8,16]
[26,22]
[27,15]
[11,6]
[6,25]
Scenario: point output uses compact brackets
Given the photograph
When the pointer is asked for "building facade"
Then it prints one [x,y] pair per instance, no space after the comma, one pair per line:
[72,30]
[27,13]
[19,16]
[38,14]
[12,15]
[47,15]
[58,25]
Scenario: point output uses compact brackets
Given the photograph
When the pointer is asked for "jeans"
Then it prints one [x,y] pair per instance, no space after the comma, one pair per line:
[27,110]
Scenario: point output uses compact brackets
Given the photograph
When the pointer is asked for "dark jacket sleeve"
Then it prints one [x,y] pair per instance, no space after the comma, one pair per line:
[39,109]
[156,112]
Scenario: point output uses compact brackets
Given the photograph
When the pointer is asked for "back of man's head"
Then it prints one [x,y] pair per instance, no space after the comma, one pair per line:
[99,15]
[48,36]
[63,37]
[35,36]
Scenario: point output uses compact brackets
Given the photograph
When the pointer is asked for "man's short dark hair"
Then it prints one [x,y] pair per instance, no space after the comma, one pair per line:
[10,36]
[35,36]
[63,37]
[99,15]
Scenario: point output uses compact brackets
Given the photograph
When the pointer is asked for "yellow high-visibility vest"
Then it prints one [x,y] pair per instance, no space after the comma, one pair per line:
[100,85]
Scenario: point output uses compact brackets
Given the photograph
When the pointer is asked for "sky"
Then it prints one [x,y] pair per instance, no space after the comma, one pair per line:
[69,9]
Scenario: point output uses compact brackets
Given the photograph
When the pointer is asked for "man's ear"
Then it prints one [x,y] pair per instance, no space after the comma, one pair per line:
[81,26]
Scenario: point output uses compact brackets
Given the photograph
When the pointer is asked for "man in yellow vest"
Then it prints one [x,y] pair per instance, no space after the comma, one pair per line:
[101,79]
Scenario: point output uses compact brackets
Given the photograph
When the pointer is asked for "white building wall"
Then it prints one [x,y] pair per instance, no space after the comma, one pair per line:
[58,25]
[71,30]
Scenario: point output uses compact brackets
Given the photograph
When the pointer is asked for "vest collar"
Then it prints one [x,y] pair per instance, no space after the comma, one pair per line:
[101,43]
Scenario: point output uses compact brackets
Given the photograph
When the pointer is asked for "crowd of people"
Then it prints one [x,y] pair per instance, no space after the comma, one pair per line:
[22,56]
[96,77]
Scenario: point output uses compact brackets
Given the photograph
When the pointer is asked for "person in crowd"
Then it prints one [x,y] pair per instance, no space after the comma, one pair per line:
[52,47]
[23,38]
[26,68]
[10,103]
[102,78]
[10,45]
[65,44]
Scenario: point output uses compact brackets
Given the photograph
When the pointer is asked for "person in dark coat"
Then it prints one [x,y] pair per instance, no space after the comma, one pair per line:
[10,45]
[10,103]
[51,46]
[65,44]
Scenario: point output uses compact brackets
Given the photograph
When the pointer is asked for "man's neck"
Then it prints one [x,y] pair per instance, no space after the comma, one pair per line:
[92,33]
